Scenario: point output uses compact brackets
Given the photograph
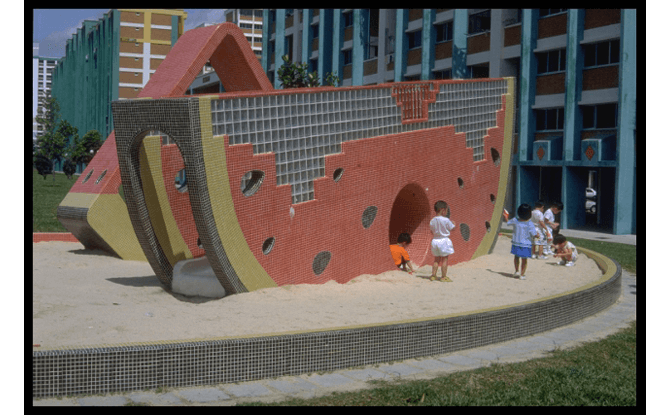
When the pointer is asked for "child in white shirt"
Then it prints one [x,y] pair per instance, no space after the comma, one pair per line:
[565,250]
[441,246]
[539,244]
[522,238]
[550,221]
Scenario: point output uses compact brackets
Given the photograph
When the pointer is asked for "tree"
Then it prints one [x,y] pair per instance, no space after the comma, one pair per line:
[295,75]
[69,168]
[43,165]
[82,151]
[53,143]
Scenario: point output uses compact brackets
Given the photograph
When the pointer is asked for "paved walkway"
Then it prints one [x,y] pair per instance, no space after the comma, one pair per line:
[594,328]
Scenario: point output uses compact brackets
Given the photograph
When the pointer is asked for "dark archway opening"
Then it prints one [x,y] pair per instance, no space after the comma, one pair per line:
[411,213]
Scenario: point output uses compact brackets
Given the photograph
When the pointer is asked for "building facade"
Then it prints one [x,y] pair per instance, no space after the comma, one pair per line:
[251,23]
[109,59]
[42,80]
[576,86]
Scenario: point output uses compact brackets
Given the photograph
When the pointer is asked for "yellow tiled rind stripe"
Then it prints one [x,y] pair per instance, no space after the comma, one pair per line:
[108,216]
[506,157]
[250,272]
[160,213]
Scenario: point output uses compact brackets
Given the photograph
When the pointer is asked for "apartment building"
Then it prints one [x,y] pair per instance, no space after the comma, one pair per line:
[576,86]
[251,23]
[42,80]
[112,58]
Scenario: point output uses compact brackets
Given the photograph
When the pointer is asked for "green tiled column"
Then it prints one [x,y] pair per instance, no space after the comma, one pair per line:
[459,52]
[306,35]
[427,44]
[527,76]
[325,44]
[338,37]
[624,203]
[573,86]
[572,191]
[265,61]
[400,65]
[280,38]
[361,27]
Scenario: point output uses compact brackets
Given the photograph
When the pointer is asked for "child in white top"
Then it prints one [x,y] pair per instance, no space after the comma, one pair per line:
[540,244]
[522,238]
[565,250]
[550,221]
[441,246]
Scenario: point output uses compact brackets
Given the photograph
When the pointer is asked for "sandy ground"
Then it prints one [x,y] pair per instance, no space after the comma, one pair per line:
[86,297]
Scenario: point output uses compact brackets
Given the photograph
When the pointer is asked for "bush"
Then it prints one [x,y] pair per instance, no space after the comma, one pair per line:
[43,165]
[69,168]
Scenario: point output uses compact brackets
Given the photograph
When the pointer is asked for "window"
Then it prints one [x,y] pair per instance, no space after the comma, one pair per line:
[288,47]
[478,71]
[347,57]
[551,12]
[549,119]
[549,62]
[348,19]
[479,22]
[600,54]
[414,39]
[445,74]
[444,32]
[599,116]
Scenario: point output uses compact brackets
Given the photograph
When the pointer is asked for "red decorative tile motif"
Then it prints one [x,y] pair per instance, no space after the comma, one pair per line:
[589,152]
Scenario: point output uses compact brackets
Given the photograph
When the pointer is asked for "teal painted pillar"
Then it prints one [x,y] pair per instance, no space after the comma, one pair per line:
[573,87]
[401,46]
[338,38]
[527,77]
[325,63]
[527,186]
[572,193]
[573,197]
[427,44]
[266,41]
[624,192]
[280,42]
[175,30]
[459,53]
[361,29]
[306,35]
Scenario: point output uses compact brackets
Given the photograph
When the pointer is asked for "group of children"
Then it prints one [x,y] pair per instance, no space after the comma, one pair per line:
[535,231]
[536,234]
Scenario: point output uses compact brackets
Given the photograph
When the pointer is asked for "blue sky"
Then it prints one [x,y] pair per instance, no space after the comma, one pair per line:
[52,27]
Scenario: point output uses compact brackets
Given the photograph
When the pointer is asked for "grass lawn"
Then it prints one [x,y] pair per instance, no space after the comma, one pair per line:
[597,374]
[47,195]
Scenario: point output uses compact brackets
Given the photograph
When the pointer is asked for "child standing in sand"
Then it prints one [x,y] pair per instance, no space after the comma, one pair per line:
[522,238]
[441,246]
[565,250]
[399,252]
[540,244]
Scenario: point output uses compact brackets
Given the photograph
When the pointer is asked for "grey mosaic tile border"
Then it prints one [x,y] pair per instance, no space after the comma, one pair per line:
[202,362]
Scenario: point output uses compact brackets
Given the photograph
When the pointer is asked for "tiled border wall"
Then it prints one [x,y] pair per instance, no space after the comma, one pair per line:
[139,366]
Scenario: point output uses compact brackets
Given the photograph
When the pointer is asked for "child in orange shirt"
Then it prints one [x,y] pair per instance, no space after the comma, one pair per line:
[400,255]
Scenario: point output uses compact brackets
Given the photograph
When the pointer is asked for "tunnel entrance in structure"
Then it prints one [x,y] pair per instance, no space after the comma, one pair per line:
[411,213]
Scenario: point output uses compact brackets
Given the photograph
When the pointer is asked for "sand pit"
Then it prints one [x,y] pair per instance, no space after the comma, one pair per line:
[86,297]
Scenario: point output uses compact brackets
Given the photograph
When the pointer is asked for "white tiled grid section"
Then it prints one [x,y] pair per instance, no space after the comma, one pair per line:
[302,128]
